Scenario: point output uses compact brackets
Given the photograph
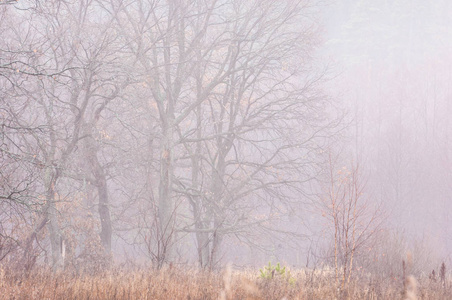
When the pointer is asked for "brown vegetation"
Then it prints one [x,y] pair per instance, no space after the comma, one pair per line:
[173,283]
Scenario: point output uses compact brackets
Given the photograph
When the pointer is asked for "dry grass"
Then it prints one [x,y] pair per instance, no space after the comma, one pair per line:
[193,284]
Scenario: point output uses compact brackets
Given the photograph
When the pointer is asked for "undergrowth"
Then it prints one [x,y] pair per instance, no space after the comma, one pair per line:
[183,283]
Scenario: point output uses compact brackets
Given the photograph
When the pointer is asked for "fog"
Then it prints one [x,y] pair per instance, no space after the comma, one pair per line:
[206,133]
[393,64]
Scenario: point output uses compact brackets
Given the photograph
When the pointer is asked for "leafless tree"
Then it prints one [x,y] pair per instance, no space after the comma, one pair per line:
[352,218]
[67,105]
[239,117]
[206,119]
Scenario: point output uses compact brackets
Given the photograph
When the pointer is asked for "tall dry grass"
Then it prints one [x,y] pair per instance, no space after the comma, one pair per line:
[194,284]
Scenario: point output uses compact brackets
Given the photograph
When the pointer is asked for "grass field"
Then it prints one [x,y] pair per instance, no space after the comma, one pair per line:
[193,284]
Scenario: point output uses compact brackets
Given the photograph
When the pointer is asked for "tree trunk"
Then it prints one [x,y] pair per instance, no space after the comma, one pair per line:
[100,181]
[165,205]
[218,204]
[51,212]
[104,208]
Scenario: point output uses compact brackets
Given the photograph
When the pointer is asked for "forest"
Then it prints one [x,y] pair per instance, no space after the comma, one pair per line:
[225,149]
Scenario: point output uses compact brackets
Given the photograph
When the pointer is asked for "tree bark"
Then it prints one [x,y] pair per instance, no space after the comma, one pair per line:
[51,213]
[100,181]
[165,201]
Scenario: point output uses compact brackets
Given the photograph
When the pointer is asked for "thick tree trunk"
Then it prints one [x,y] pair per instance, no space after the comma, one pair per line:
[104,208]
[165,202]
[100,180]
[202,238]
[56,238]
[55,234]
[217,238]
[204,245]
[218,204]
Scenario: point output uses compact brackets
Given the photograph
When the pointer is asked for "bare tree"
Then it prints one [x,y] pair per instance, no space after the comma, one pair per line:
[351,217]
[66,105]
[249,155]
[160,36]
[239,117]
[235,120]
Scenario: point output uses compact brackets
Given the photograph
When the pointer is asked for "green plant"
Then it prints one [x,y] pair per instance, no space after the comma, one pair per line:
[274,271]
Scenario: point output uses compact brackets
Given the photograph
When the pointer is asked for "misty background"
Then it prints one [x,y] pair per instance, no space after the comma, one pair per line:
[214,132]
[393,64]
